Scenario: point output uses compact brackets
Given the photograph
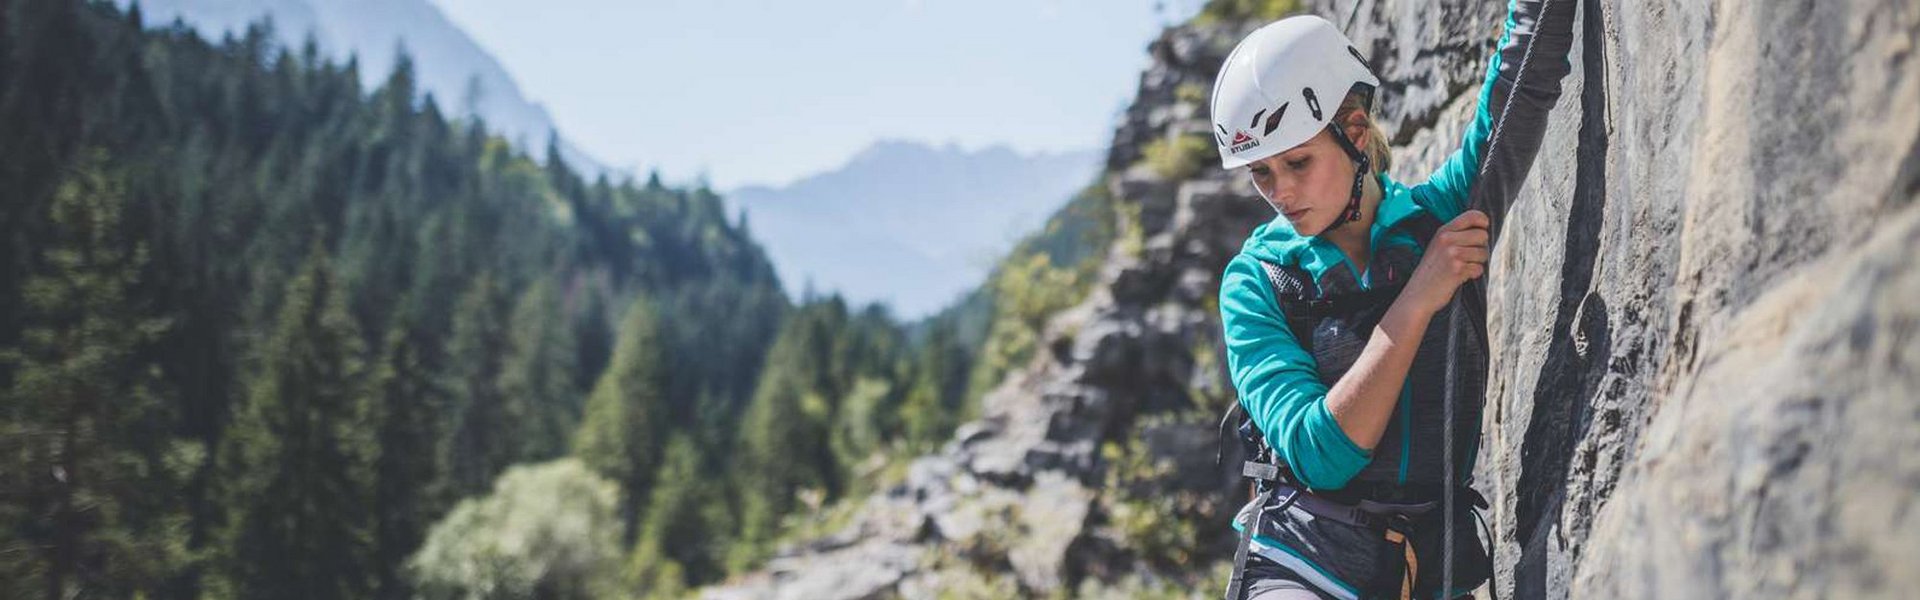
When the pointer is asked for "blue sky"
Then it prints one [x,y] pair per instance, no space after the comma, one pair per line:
[764,92]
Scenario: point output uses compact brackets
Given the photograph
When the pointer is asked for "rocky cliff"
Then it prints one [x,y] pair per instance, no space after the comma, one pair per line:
[1706,322]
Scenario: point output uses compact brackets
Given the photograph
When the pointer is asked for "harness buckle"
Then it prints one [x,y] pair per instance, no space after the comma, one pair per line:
[1260,471]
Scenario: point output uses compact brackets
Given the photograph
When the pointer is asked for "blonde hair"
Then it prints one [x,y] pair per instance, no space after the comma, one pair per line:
[1376,148]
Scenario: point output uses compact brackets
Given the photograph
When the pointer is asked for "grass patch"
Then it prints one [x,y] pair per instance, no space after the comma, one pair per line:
[1178,157]
[1245,10]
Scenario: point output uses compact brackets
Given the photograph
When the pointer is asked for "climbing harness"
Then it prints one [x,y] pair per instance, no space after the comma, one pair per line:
[1362,505]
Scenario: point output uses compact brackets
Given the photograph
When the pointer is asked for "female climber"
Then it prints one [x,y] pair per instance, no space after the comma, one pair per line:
[1337,312]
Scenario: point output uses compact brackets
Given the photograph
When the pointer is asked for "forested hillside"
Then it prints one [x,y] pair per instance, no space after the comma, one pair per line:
[466,77]
[265,333]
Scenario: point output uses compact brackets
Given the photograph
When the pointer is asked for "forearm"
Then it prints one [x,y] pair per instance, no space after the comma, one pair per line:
[1362,401]
[1522,89]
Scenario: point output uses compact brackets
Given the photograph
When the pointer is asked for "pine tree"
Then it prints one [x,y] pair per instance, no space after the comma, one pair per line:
[89,501]
[931,408]
[783,437]
[675,548]
[539,371]
[485,422]
[409,474]
[619,436]
[301,452]
[864,422]
[594,331]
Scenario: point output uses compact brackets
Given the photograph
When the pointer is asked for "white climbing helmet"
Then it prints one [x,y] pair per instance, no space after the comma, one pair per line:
[1281,86]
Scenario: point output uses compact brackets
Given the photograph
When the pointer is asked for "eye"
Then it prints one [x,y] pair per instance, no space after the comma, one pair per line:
[1297,164]
[1259,170]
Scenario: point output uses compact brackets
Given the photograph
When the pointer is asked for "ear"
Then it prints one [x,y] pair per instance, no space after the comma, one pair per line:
[1355,125]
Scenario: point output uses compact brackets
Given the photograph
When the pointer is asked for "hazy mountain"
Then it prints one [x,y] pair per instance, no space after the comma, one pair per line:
[461,75]
[907,223]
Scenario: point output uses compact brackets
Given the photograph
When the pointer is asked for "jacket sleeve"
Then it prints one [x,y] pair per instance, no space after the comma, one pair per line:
[1279,384]
[1470,176]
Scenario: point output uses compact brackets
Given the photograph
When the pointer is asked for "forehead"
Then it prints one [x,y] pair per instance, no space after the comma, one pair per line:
[1312,145]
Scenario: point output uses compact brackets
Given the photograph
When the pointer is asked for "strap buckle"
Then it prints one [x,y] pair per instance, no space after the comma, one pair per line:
[1260,471]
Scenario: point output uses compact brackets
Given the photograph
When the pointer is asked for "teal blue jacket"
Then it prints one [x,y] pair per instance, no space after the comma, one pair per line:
[1276,378]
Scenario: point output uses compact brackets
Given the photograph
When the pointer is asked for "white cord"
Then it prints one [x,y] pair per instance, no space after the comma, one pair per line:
[1501,125]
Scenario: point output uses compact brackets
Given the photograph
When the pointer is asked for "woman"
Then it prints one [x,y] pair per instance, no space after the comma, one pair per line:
[1336,313]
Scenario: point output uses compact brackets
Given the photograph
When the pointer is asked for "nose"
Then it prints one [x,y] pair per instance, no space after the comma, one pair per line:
[1274,191]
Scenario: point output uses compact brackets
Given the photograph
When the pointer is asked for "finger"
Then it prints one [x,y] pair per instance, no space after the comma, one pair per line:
[1471,219]
[1464,258]
[1476,218]
[1471,237]
[1460,229]
[1468,253]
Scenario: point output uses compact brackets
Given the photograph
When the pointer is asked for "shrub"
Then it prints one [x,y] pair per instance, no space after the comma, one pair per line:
[1244,10]
[1178,157]
[546,531]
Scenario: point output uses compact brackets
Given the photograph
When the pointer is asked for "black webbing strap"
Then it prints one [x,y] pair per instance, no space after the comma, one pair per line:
[1399,549]
[1362,167]
[1237,585]
[1273,479]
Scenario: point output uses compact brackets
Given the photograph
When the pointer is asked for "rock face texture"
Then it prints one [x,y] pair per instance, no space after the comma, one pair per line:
[1705,314]
[1704,374]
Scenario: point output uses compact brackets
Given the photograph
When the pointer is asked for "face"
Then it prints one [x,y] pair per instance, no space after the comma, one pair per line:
[1309,184]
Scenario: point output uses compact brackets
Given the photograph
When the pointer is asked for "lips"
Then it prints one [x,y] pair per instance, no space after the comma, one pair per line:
[1295,215]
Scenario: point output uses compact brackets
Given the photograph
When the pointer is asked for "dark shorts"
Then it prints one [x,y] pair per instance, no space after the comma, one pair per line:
[1281,589]
[1267,580]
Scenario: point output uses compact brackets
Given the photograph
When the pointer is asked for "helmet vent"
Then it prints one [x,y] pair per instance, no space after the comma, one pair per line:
[1273,122]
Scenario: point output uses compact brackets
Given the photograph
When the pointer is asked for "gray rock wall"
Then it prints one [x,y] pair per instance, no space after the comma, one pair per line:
[1704,305]
[1702,347]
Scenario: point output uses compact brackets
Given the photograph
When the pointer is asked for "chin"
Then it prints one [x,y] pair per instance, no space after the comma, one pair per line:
[1308,228]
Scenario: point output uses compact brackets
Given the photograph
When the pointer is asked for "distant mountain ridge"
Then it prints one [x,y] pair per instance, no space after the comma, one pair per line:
[463,77]
[908,223]
[916,225]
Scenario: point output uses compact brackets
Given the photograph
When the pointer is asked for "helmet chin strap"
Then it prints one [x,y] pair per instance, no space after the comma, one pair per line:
[1361,168]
